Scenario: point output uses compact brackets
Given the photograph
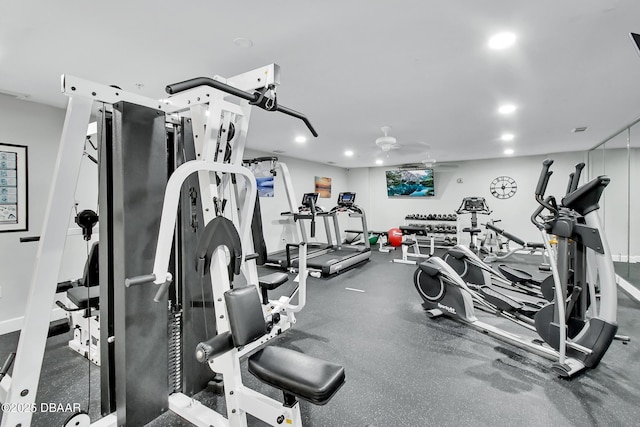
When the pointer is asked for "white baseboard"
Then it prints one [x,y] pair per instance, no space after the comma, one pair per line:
[623,258]
[628,288]
[15,324]
[11,325]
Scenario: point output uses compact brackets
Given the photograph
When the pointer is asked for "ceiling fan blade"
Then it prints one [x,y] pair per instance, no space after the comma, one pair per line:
[407,148]
[446,166]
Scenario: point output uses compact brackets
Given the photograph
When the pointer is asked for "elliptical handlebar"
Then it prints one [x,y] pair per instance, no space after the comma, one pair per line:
[543,180]
[549,202]
[570,183]
[575,178]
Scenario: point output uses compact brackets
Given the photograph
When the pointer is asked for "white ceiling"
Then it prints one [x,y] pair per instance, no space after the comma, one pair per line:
[422,67]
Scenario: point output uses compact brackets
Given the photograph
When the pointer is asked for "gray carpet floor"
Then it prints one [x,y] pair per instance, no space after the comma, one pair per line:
[403,368]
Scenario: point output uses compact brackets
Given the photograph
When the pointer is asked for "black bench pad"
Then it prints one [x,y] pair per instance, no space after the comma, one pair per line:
[296,373]
[273,280]
[471,230]
[420,230]
[81,295]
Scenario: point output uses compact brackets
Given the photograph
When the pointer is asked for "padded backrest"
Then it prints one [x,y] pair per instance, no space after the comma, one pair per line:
[91,273]
[259,245]
[245,315]
[219,231]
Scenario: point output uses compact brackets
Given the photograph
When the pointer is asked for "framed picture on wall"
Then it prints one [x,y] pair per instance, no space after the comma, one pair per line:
[264,179]
[323,186]
[14,212]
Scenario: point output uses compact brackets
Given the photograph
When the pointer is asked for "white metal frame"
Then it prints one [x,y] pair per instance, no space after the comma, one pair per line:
[416,250]
[20,388]
[86,334]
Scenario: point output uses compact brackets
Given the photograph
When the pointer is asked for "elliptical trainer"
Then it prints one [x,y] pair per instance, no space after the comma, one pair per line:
[444,292]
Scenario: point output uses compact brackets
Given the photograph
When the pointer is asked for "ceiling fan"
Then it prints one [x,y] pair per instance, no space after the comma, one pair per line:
[386,142]
[429,162]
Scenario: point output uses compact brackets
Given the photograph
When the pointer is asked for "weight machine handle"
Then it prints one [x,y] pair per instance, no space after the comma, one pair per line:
[149,278]
[139,280]
[255,98]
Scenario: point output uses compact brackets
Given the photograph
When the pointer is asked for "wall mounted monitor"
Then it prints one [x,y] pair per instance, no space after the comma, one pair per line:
[410,183]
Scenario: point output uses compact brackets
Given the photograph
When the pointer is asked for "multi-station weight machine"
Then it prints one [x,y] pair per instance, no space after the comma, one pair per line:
[173,195]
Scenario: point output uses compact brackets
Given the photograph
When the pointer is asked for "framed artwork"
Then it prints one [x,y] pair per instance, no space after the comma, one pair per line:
[264,179]
[14,212]
[323,187]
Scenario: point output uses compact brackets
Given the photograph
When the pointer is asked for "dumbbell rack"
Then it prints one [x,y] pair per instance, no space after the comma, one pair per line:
[442,228]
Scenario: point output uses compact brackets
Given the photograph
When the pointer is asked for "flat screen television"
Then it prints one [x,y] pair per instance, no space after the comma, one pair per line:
[410,183]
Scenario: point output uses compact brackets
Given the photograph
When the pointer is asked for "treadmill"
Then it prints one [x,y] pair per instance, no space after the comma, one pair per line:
[341,257]
[288,258]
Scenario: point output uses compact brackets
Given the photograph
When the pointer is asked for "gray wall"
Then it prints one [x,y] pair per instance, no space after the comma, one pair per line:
[385,212]
[278,230]
[621,206]
[38,127]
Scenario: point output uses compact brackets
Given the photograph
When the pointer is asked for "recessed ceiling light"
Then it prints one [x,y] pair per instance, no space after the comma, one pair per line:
[507,137]
[506,109]
[378,162]
[301,139]
[242,42]
[508,151]
[502,40]
[348,153]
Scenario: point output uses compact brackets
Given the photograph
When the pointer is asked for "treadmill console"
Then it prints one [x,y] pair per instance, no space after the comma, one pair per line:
[308,199]
[346,199]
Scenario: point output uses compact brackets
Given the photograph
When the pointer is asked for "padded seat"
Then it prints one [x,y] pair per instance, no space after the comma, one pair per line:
[269,283]
[306,377]
[471,230]
[273,280]
[81,295]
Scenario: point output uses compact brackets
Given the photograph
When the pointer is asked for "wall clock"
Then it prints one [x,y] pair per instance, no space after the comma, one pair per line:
[503,187]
